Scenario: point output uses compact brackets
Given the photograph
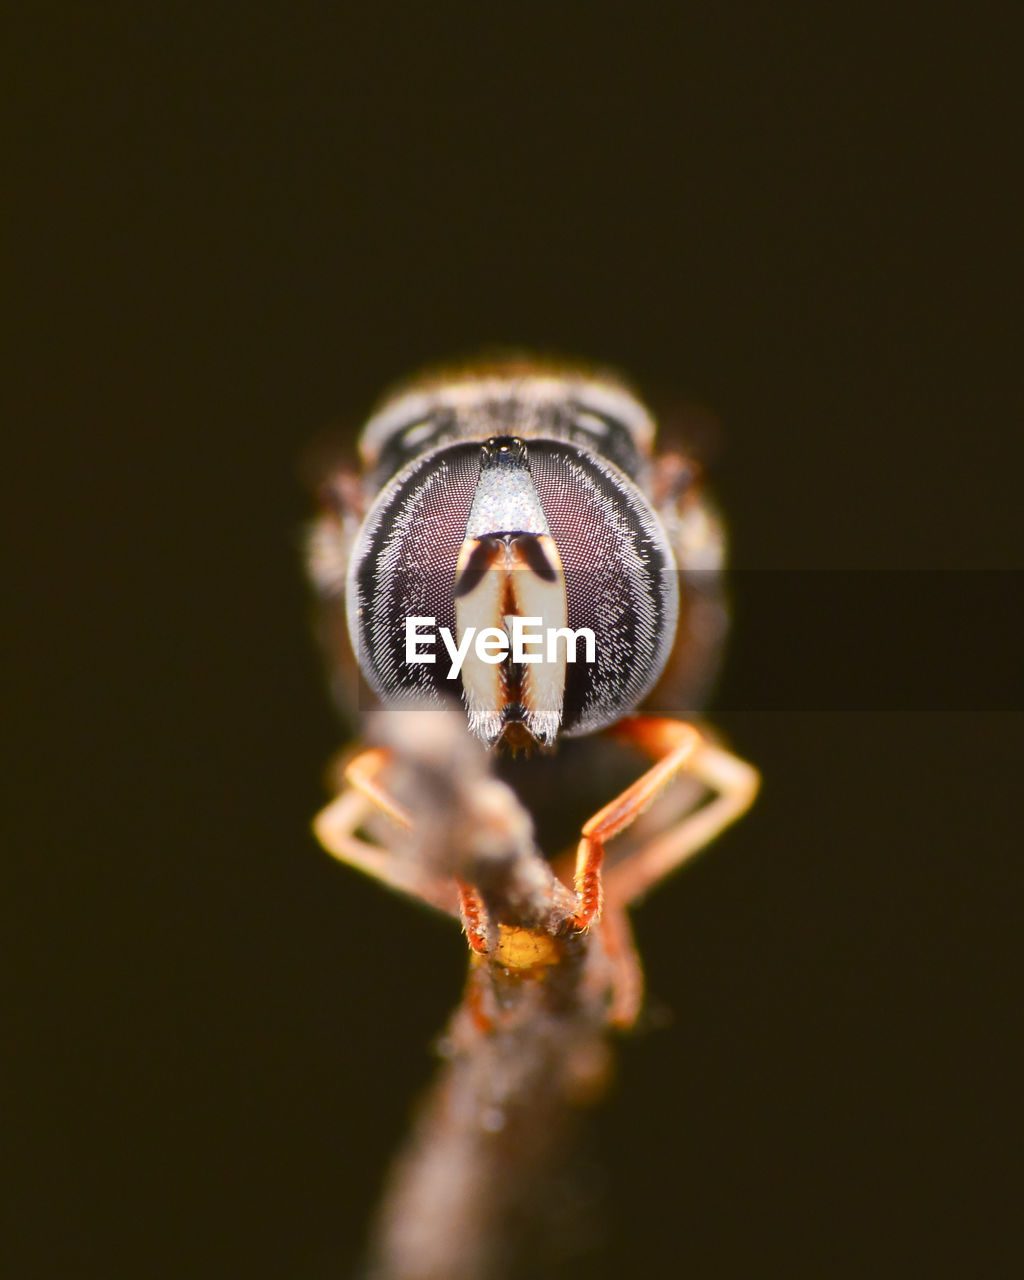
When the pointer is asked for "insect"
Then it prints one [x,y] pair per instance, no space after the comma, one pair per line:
[514,549]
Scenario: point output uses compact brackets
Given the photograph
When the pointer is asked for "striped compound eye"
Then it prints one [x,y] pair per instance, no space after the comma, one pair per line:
[531,580]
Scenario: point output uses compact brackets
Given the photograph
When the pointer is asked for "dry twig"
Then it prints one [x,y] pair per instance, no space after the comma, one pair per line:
[527,1046]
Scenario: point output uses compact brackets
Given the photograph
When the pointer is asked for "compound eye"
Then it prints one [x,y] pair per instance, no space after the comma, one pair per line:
[620,581]
[403,566]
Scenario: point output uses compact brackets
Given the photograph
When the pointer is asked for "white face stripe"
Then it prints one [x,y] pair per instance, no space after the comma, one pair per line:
[543,688]
[483,686]
[510,582]
[528,390]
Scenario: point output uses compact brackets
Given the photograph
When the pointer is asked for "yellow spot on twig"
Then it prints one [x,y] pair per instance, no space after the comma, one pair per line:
[524,949]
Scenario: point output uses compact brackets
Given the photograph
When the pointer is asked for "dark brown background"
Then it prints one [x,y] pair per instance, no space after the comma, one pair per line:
[231,229]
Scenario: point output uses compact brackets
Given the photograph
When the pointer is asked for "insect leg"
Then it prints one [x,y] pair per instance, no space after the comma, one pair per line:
[734,784]
[361,774]
[677,747]
[336,826]
[627,976]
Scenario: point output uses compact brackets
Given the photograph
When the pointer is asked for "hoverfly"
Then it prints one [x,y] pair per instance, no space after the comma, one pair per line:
[519,512]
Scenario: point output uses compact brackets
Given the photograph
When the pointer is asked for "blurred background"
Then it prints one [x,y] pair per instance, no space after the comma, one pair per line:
[227,232]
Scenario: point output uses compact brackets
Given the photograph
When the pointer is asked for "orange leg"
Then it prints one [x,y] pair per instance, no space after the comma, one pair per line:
[471,910]
[335,828]
[336,825]
[361,773]
[628,976]
[733,784]
[676,747]
[674,741]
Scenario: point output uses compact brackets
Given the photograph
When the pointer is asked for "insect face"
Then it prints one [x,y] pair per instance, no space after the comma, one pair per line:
[506,501]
